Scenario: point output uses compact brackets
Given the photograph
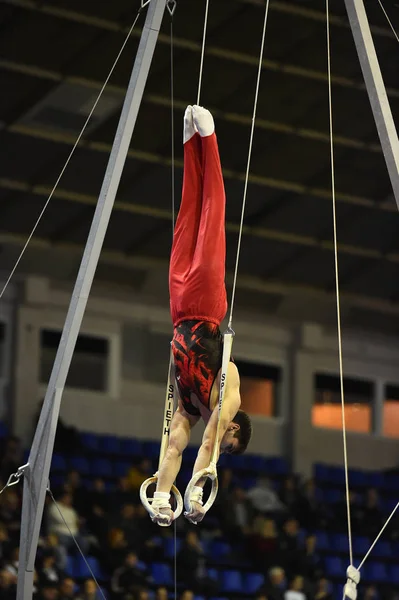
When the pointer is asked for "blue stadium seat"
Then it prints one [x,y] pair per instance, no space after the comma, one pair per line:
[335,567]
[162,574]
[248,482]
[190,453]
[277,466]
[151,449]
[90,441]
[169,546]
[3,430]
[394,575]
[375,572]
[130,447]
[101,467]
[80,464]
[339,542]
[57,480]
[252,582]
[219,549]
[110,444]
[213,574]
[58,463]
[121,468]
[332,496]
[321,472]
[361,545]
[382,549]
[392,482]
[389,504]
[70,568]
[358,478]
[199,597]
[323,541]
[336,475]
[231,582]
[83,571]
[376,479]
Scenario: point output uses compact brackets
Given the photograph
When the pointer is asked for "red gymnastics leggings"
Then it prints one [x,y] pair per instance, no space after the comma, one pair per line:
[197,266]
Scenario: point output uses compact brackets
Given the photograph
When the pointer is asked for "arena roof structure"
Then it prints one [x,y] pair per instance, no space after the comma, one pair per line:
[54,57]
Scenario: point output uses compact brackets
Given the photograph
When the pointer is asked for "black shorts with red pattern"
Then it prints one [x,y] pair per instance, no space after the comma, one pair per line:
[197,348]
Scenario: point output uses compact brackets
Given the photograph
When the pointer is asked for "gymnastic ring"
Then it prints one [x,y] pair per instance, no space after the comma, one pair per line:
[210,473]
[146,502]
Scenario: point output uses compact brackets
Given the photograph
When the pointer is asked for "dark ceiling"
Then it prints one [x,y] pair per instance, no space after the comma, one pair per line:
[55,55]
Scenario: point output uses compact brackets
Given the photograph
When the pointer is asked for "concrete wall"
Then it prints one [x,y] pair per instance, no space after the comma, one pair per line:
[139,332]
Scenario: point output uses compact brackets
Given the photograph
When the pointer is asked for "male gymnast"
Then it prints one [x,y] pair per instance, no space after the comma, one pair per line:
[198,305]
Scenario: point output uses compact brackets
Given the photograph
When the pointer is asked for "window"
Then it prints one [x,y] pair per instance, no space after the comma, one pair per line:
[359,396]
[390,415]
[89,367]
[259,388]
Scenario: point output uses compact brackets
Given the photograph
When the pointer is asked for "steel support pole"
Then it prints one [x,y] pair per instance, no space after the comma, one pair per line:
[37,472]
[375,89]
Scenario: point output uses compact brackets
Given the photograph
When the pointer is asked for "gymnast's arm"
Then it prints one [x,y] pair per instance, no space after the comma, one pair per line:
[231,405]
[180,431]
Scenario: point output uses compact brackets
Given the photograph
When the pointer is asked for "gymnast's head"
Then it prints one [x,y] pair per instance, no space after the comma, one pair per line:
[238,434]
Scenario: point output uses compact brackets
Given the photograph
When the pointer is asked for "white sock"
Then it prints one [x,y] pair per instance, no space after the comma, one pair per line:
[189,128]
[203,121]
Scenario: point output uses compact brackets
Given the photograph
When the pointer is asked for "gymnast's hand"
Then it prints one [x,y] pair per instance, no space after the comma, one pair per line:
[196,514]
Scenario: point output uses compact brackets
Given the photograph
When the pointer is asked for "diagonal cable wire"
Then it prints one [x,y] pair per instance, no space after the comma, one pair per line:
[70,155]
[251,138]
[337,289]
[203,51]
[76,544]
[388,19]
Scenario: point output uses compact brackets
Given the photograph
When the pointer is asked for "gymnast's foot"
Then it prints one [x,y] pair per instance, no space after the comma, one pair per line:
[203,121]
[189,128]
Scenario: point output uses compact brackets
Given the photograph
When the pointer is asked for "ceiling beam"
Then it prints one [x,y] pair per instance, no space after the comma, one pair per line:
[43,190]
[248,283]
[260,180]
[192,46]
[157,100]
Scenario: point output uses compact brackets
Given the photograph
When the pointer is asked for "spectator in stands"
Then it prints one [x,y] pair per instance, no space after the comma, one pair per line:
[192,566]
[129,579]
[96,511]
[295,589]
[275,586]
[73,485]
[5,544]
[311,513]
[126,520]
[10,513]
[237,515]
[310,563]
[290,546]
[13,562]
[323,591]
[372,515]
[67,526]
[187,595]
[122,495]
[67,589]
[90,591]
[263,544]
[289,494]
[48,591]
[51,543]
[370,593]
[8,585]
[137,475]
[48,572]
[117,548]
[341,514]
[142,594]
[264,499]
[161,593]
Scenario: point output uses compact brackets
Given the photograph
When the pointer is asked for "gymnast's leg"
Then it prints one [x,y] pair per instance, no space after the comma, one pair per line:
[187,224]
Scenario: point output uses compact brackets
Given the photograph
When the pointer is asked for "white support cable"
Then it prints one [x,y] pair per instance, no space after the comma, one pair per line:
[389,20]
[337,288]
[251,138]
[203,51]
[70,154]
[378,536]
